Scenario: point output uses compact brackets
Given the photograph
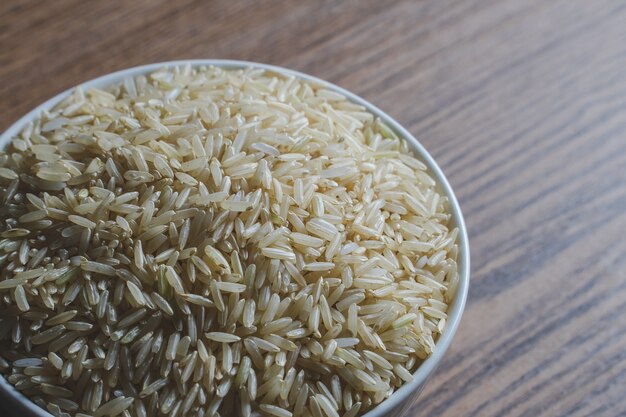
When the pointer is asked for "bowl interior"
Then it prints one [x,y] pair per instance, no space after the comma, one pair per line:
[405,393]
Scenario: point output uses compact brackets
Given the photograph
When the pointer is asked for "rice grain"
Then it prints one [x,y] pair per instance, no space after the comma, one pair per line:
[202,242]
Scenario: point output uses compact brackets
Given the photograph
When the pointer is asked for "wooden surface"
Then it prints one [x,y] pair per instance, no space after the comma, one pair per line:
[522,103]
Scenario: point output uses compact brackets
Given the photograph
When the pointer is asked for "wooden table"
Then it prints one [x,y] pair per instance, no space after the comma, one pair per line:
[523,104]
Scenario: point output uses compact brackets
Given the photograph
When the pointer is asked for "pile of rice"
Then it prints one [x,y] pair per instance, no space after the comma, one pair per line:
[203,242]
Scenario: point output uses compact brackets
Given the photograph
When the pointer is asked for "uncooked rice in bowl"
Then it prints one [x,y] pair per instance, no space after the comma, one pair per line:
[210,242]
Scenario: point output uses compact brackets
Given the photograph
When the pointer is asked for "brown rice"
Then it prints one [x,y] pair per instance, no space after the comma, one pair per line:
[204,242]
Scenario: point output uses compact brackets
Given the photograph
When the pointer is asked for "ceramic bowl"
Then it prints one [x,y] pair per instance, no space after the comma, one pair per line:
[394,406]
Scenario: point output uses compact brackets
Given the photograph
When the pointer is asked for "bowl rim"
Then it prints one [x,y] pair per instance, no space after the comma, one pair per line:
[455,311]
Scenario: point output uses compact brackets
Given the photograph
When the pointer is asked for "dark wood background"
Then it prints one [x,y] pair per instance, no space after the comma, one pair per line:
[523,104]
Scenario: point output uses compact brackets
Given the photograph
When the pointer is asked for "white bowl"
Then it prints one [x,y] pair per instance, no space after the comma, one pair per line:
[403,398]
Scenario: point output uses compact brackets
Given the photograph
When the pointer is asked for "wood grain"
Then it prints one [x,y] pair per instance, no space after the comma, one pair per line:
[523,104]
